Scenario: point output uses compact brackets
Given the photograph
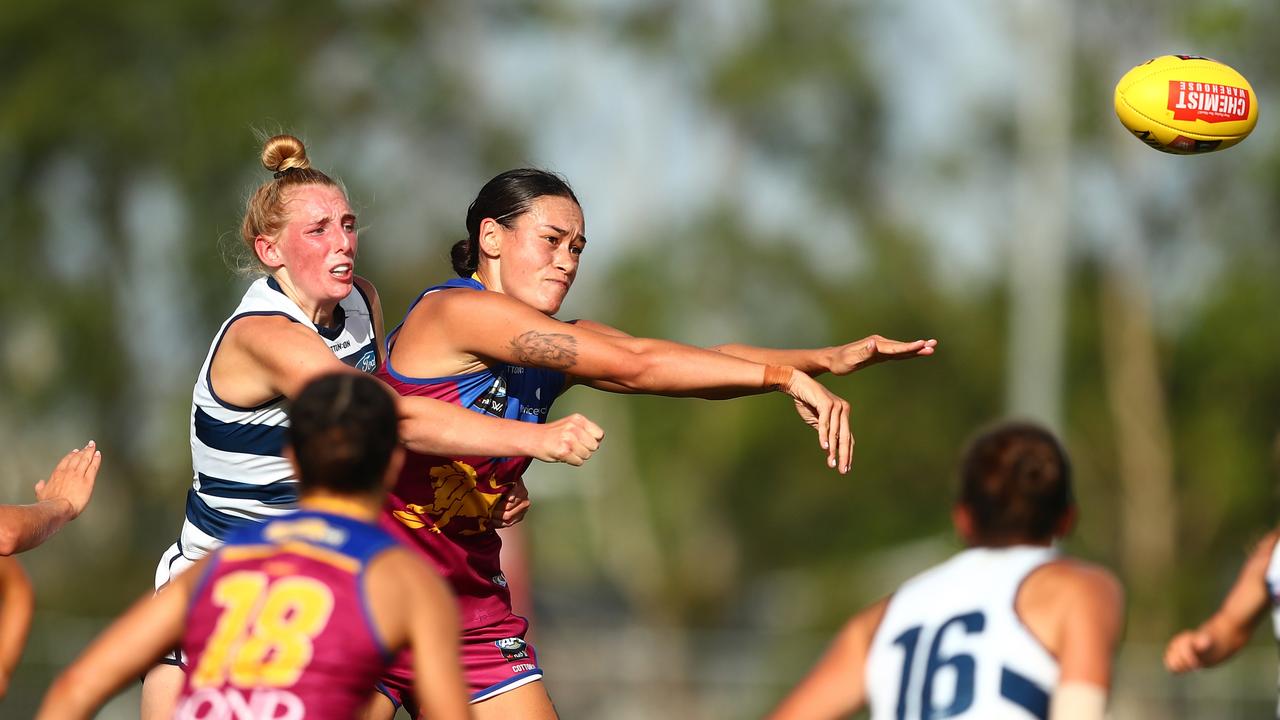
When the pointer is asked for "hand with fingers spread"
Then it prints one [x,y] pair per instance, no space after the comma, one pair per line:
[873,350]
[61,498]
[820,409]
[570,440]
[72,480]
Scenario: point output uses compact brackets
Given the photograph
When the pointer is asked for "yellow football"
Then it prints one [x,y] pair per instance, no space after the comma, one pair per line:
[1184,104]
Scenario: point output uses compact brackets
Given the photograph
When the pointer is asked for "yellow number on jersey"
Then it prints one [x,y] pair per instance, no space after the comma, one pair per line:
[263,620]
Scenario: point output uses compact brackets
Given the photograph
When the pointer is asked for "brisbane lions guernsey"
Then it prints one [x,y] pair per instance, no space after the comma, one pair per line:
[278,626]
[443,505]
[240,473]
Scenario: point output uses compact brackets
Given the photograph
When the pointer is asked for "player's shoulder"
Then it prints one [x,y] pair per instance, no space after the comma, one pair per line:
[269,334]
[407,580]
[1071,579]
[249,326]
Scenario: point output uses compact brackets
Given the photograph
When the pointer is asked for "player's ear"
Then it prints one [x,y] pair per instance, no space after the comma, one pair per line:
[393,467]
[962,519]
[268,251]
[1066,523]
[490,237]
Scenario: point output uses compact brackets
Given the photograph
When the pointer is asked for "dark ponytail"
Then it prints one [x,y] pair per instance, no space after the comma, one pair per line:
[504,198]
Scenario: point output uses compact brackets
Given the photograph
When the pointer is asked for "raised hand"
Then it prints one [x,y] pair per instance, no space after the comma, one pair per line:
[571,440]
[875,349]
[825,412]
[72,480]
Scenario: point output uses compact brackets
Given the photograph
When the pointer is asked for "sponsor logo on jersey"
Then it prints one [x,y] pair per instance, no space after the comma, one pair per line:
[313,529]
[500,580]
[494,400]
[458,501]
[343,345]
[512,648]
[1210,102]
[234,704]
[523,667]
[368,362]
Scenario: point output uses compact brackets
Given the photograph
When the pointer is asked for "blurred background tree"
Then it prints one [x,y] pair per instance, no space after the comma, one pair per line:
[771,172]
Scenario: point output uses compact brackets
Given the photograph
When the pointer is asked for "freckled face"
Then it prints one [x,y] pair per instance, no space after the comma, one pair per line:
[540,253]
[316,249]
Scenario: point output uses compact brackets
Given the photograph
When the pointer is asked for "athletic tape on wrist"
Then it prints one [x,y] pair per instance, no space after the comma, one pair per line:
[777,377]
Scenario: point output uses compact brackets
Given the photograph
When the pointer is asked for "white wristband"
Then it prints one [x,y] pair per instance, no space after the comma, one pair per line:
[1078,701]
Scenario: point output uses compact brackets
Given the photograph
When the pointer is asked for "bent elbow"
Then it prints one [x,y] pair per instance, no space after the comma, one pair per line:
[8,541]
[636,372]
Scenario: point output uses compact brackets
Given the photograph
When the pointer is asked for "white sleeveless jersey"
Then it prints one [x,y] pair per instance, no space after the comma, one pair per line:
[951,645]
[240,475]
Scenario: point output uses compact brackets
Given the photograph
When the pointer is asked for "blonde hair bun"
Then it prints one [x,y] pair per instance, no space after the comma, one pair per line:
[284,152]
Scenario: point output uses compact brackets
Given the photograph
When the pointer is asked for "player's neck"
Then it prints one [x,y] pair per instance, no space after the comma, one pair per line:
[354,506]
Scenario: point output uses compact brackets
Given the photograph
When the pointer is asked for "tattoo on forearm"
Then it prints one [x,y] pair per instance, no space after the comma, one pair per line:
[551,350]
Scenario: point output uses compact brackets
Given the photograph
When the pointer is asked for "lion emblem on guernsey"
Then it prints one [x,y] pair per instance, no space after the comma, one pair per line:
[457,500]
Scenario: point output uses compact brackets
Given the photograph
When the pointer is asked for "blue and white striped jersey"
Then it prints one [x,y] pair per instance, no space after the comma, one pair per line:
[240,473]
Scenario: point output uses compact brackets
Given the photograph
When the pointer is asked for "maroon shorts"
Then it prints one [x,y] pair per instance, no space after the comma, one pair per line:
[495,659]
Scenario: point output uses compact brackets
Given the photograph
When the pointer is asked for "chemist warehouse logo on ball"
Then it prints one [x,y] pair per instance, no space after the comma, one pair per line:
[1207,101]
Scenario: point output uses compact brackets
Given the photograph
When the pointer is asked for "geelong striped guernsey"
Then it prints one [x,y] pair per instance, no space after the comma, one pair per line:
[240,474]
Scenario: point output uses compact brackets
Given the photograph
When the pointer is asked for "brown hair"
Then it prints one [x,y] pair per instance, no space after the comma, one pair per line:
[1016,481]
[286,157]
[342,428]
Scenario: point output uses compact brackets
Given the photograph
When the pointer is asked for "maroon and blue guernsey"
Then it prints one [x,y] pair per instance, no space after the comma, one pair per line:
[443,506]
[278,626]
